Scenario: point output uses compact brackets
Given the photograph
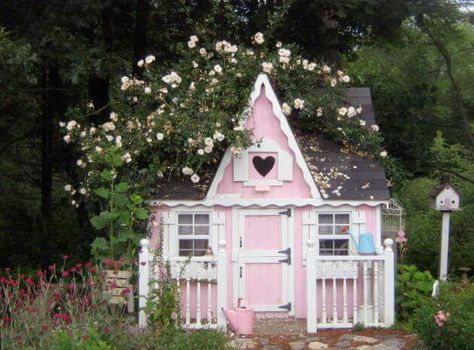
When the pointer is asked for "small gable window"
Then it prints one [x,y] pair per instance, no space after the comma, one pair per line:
[193,234]
[333,233]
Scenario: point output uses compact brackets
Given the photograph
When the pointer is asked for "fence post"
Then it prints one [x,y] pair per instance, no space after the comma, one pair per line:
[143,281]
[389,284]
[221,281]
[311,316]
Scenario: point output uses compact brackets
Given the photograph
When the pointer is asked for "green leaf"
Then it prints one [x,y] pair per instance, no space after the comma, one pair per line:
[136,199]
[120,200]
[103,219]
[125,235]
[117,160]
[99,246]
[124,218]
[106,175]
[122,187]
[102,192]
[141,213]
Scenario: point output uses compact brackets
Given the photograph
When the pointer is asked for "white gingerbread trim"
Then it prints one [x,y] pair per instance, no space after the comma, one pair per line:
[262,79]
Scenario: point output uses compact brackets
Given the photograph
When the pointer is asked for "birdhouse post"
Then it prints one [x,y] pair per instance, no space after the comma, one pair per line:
[445,199]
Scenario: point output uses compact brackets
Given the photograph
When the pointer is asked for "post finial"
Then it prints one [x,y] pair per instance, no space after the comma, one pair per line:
[145,243]
[388,243]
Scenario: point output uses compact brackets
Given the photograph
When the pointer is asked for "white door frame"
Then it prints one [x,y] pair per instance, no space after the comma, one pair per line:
[240,257]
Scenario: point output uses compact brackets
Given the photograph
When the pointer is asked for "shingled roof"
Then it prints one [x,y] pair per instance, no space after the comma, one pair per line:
[339,174]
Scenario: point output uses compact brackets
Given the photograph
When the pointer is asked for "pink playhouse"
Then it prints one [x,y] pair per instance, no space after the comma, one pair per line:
[291,227]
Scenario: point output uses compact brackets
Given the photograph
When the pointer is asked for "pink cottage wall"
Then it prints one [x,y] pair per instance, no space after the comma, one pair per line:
[266,125]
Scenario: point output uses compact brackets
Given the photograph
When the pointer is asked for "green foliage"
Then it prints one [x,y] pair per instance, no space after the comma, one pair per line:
[412,288]
[358,327]
[64,340]
[198,340]
[456,332]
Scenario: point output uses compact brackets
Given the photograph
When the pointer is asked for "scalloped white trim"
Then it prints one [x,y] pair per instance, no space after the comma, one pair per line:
[262,79]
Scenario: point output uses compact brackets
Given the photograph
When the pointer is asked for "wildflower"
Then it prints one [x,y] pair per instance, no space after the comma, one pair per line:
[52,267]
[65,274]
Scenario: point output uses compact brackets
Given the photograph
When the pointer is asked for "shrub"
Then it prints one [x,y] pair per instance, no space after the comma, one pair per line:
[413,288]
[448,322]
[197,340]
[33,308]
[75,341]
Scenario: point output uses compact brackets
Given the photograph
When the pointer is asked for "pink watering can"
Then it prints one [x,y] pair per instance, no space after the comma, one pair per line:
[240,318]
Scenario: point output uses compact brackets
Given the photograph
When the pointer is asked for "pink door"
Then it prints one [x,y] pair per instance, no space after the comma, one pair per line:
[264,259]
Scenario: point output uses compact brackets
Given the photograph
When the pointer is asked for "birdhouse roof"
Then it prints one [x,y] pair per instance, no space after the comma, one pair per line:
[440,187]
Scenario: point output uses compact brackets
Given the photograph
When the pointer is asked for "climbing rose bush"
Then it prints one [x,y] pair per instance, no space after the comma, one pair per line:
[176,121]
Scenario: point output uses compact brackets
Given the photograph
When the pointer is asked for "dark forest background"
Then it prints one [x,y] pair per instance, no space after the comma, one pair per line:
[415,55]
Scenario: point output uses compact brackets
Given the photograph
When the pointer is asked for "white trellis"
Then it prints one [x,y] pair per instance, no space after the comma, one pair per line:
[393,219]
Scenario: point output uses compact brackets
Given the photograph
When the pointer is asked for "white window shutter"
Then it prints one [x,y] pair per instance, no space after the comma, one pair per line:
[310,221]
[170,235]
[285,166]
[218,230]
[241,167]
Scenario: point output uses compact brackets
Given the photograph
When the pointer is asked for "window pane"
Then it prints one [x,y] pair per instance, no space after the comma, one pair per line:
[344,229]
[185,230]
[201,230]
[326,247]
[325,230]
[183,252]
[185,219]
[201,219]
[185,244]
[325,218]
[200,244]
[341,247]
[342,218]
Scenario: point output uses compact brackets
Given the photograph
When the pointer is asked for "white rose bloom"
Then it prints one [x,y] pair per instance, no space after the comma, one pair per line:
[67,138]
[284,52]
[124,79]
[192,87]
[346,79]
[118,141]
[98,149]
[298,103]
[278,44]
[67,188]
[62,124]
[267,67]
[195,178]
[140,63]
[160,136]
[149,140]
[147,90]
[71,124]
[73,202]
[326,69]
[212,72]
[351,112]
[83,134]
[203,52]
[114,116]
[383,154]
[258,38]
[92,130]
[286,108]
[193,39]
[333,82]
[108,126]
[319,112]
[187,171]
[208,149]
[208,141]
[218,69]
[109,138]
[342,111]
[127,157]
[200,152]
[149,59]
[284,60]
[362,122]
[374,127]
[135,99]
[195,65]
[359,110]
[82,191]
[79,162]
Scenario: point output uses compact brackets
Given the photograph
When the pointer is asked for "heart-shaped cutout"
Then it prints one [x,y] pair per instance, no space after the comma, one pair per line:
[263,166]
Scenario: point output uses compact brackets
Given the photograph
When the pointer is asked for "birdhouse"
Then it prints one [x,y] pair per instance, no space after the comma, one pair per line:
[444,197]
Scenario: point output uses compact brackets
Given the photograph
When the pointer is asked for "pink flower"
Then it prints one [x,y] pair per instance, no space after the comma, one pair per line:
[65,274]
[73,269]
[401,237]
[441,318]
[52,267]
[125,292]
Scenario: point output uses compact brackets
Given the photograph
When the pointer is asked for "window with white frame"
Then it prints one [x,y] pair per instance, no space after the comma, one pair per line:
[333,233]
[193,234]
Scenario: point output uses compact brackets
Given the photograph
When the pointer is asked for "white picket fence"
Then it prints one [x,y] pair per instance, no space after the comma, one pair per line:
[341,290]
[345,290]
[197,277]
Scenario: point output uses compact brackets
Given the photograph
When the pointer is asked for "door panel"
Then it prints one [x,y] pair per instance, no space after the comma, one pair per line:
[263,277]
